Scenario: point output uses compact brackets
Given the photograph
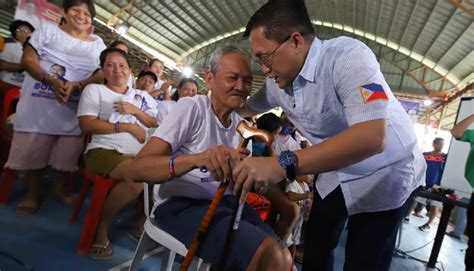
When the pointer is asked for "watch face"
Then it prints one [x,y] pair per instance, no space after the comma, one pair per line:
[287,158]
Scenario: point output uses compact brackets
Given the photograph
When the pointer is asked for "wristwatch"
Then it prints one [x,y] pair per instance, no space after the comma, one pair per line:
[289,161]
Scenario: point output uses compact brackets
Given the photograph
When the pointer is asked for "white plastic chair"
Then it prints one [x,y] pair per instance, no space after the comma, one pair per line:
[171,245]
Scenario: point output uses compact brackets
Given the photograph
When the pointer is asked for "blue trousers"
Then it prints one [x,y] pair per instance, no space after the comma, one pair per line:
[370,238]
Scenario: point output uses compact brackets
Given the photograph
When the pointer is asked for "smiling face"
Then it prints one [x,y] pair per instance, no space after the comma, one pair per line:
[157,67]
[146,83]
[187,90]
[232,82]
[116,70]
[78,17]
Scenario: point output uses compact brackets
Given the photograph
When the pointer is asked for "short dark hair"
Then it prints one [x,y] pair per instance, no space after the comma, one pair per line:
[175,97]
[438,140]
[153,60]
[281,18]
[17,24]
[269,122]
[108,51]
[67,4]
[116,43]
[149,73]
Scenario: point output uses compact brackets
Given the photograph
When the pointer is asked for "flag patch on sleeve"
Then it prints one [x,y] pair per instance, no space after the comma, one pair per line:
[372,92]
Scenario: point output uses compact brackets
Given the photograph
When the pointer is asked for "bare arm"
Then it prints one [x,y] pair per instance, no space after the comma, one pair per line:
[124,107]
[351,146]
[30,61]
[152,162]
[344,149]
[10,67]
[246,111]
[93,125]
[459,129]
[299,196]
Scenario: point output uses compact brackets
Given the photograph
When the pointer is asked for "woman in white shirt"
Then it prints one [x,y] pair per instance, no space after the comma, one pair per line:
[187,87]
[117,117]
[46,128]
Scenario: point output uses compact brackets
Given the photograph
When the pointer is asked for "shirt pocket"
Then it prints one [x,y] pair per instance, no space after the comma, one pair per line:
[324,124]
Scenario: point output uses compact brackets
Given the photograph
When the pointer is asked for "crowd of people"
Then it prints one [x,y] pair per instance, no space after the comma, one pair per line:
[83,102]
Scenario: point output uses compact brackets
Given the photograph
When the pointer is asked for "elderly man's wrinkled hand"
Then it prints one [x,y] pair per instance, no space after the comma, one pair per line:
[219,159]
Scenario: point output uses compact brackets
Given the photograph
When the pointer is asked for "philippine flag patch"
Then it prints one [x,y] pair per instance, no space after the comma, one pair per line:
[372,92]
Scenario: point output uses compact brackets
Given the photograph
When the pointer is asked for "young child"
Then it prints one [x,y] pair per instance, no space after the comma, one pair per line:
[299,192]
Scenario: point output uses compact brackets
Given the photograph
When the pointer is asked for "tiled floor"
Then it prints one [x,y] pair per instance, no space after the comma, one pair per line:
[47,240]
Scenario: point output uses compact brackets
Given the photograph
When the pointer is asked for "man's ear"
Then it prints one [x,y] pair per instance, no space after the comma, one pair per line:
[209,79]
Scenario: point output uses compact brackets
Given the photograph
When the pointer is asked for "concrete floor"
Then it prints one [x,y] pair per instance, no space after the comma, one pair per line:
[47,241]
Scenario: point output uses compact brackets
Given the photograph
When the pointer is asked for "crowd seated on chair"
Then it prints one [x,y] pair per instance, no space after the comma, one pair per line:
[117,117]
[187,87]
[188,153]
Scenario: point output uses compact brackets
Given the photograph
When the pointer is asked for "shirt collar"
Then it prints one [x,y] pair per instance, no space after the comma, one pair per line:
[308,71]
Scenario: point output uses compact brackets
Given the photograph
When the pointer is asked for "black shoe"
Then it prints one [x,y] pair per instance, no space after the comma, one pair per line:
[424,227]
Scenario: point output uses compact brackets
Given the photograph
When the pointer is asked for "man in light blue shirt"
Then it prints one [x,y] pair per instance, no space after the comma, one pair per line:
[364,146]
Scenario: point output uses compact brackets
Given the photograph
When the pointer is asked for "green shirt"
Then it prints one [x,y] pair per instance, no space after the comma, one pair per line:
[469,172]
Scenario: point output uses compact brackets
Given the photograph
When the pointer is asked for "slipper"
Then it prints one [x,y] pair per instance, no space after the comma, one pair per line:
[103,252]
[418,215]
[27,207]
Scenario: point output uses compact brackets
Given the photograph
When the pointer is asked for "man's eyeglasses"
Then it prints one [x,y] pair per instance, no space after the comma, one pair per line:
[267,60]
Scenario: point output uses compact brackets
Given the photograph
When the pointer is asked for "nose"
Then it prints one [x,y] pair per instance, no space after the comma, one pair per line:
[266,70]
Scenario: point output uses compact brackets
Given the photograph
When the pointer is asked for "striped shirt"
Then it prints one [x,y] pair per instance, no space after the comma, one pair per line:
[339,85]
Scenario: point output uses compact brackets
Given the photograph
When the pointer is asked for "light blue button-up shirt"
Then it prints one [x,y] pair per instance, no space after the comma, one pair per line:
[340,85]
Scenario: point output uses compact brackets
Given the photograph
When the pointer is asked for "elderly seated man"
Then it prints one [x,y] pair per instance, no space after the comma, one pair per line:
[188,155]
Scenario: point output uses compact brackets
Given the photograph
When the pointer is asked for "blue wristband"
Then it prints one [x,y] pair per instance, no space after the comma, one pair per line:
[171,166]
[117,127]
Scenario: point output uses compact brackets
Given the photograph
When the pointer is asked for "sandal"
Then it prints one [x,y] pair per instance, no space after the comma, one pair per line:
[103,252]
[27,207]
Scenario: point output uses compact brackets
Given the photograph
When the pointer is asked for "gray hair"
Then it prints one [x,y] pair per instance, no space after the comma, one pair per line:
[220,52]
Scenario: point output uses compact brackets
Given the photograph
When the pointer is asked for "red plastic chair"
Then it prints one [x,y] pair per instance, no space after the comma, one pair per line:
[11,95]
[102,187]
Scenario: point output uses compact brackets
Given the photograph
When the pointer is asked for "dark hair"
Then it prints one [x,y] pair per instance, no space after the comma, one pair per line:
[17,24]
[108,51]
[67,4]
[153,60]
[281,18]
[269,122]
[438,140]
[116,43]
[175,97]
[149,73]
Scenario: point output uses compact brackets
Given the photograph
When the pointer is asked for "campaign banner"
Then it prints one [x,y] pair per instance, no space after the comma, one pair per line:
[37,12]
[412,108]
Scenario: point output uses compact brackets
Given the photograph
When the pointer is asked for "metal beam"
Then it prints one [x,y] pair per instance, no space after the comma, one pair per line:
[393,19]
[440,32]
[405,29]
[454,43]
[424,26]
[198,11]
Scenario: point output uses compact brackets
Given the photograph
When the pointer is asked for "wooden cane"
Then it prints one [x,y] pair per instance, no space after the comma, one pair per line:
[247,133]
[237,213]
